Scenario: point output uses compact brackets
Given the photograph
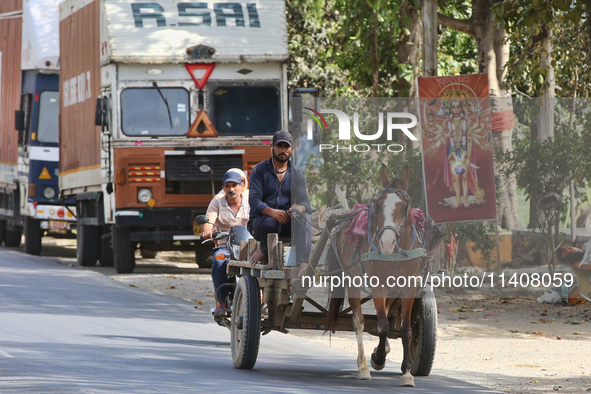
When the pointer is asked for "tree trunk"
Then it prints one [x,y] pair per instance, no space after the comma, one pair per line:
[430,37]
[493,54]
[542,126]
[375,55]
[545,105]
[429,51]
[506,188]
[409,48]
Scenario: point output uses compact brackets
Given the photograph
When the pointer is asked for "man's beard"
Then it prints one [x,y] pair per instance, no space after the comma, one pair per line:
[232,195]
[282,159]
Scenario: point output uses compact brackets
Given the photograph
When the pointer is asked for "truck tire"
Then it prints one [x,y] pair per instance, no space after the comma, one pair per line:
[33,235]
[13,238]
[2,231]
[87,245]
[106,253]
[123,251]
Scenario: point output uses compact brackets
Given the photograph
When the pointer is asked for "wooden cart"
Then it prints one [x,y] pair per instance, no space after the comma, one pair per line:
[285,307]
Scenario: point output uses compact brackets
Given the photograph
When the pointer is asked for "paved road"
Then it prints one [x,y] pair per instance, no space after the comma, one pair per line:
[68,330]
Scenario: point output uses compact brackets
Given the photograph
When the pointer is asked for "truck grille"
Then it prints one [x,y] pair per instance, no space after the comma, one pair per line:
[187,167]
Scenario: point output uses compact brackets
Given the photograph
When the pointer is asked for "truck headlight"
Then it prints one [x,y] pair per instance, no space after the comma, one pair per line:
[49,193]
[144,195]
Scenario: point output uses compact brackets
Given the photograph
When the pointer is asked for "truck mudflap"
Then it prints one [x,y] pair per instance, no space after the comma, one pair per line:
[51,212]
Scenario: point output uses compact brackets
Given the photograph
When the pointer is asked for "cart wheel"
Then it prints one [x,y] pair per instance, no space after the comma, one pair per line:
[246,323]
[424,334]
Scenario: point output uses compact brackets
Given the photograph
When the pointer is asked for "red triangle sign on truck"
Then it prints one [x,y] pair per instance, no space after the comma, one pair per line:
[201,80]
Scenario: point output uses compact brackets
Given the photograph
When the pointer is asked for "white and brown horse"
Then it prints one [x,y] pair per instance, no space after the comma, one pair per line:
[390,235]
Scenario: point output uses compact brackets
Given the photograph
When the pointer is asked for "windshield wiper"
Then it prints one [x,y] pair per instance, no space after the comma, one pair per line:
[165,102]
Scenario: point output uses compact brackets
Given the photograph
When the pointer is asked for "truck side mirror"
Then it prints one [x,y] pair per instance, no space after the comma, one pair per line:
[19,120]
[101,117]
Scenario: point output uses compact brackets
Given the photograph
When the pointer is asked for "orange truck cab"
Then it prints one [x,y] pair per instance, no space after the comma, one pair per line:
[158,101]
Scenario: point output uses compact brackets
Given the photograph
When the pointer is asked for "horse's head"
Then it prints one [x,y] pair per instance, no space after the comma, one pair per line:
[392,211]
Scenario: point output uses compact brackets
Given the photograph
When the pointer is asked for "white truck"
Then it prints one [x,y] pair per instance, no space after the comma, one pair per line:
[29,195]
[159,100]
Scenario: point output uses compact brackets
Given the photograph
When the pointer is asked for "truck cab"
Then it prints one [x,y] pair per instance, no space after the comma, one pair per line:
[37,122]
[179,94]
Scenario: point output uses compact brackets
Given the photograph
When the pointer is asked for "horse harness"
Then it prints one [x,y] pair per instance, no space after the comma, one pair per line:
[340,222]
[401,255]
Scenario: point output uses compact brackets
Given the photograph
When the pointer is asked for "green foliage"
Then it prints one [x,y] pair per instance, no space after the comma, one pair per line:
[543,169]
[413,160]
[528,24]
[457,53]
[337,45]
[357,173]
[481,233]
[312,48]
[457,50]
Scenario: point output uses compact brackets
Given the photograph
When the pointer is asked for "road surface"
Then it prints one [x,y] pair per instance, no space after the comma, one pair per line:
[68,330]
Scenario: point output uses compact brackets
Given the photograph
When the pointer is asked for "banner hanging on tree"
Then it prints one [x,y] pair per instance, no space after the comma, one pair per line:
[455,119]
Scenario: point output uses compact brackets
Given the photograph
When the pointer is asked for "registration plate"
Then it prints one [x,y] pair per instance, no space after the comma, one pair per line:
[58,227]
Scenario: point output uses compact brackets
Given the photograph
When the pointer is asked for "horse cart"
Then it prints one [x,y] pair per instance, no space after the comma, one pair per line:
[397,240]
[284,308]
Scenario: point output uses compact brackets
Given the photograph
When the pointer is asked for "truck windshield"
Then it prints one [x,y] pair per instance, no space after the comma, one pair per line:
[246,110]
[144,112]
[48,130]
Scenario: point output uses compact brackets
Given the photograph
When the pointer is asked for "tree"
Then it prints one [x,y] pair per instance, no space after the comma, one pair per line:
[492,49]
[550,46]
[536,27]
[543,170]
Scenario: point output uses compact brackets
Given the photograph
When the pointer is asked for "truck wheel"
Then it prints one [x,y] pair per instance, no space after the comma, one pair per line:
[2,231]
[13,238]
[424,334]
[32,236]
[87,245]
[204,258]
[123,251]
[246,323]
[106,253]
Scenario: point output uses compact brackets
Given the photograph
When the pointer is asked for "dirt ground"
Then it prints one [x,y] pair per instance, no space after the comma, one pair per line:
[513,345]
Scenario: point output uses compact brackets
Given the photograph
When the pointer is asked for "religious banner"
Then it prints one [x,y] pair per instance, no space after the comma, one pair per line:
[455,119]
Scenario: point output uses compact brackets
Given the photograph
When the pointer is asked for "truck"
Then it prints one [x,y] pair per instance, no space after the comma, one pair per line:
[29,194]
[159,99]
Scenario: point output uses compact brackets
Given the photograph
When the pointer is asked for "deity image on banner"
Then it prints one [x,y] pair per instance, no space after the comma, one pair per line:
[457,152]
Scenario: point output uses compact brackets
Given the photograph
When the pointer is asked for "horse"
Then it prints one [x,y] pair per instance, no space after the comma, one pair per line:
[391,231]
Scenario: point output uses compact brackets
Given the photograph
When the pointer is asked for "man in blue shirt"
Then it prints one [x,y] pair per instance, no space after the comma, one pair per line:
[277,189]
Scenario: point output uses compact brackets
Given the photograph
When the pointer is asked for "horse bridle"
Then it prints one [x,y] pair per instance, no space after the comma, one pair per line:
[384,192]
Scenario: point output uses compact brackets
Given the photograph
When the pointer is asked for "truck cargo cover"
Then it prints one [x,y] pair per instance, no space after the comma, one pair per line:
[162,30]
[40,35]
